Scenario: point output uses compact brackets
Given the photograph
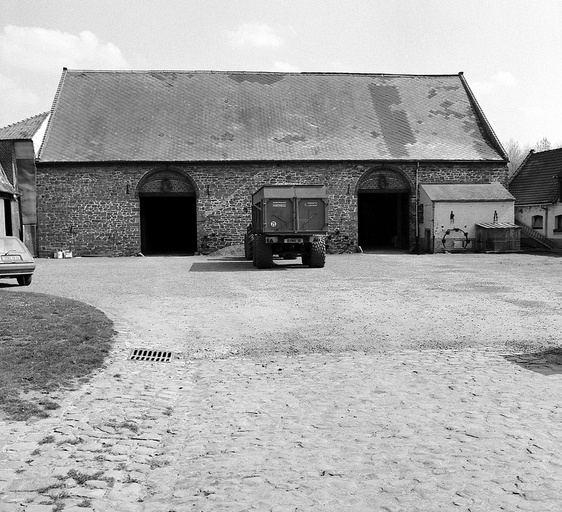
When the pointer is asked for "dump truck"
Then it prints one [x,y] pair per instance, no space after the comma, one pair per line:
[288,221]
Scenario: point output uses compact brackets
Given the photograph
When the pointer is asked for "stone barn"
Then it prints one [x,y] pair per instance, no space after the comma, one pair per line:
[165,162]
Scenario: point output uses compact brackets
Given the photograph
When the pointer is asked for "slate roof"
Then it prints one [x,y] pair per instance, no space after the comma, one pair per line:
[5,185]
[23,130]
[498,225]
[467,192]
[256,116]
[536,180]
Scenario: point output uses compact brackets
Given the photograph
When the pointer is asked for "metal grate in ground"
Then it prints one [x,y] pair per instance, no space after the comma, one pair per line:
[154,356]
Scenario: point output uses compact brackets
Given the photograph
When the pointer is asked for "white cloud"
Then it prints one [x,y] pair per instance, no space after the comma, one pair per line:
[18,102]
[285,67]
[255,34]
[504,78]
[11,93]
[499,81]
[45,50]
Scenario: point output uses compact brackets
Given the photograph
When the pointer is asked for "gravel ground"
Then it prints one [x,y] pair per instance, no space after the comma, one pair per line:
[220,304]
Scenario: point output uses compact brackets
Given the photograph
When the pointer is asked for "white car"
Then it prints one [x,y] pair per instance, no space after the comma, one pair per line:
[15,260]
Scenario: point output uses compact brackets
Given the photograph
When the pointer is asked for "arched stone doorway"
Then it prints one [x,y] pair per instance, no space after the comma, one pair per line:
[383,210]
[168,213]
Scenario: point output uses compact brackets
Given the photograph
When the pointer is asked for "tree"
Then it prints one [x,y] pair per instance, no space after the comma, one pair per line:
[543,145]
[517,154]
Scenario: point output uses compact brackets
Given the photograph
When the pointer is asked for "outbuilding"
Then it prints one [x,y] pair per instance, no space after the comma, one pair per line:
[19,143]
[537,187]
[165,162]
[450,215]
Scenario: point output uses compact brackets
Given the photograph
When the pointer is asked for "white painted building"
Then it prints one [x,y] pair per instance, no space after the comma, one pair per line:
[449,214]
[538,207]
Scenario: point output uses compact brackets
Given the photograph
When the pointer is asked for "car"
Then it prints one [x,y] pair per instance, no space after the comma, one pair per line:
[15,260]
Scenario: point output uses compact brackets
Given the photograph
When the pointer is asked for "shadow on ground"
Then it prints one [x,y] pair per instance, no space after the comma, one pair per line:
[236,264]
[548,362]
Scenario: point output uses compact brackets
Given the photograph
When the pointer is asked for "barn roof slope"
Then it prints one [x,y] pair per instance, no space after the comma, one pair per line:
[261,116]
[5,185]
[467,192]
[23,130]
[536,181]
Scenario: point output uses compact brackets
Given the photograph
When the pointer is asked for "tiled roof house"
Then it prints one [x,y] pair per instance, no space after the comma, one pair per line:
[536,186]
[166,161]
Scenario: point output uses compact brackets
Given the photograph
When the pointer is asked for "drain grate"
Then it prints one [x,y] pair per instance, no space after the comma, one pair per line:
[155,356]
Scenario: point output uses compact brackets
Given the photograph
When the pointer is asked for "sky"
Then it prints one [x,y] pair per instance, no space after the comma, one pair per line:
[510,51]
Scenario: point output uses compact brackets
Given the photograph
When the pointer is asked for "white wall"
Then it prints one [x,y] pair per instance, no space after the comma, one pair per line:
[525,215]
[437,218]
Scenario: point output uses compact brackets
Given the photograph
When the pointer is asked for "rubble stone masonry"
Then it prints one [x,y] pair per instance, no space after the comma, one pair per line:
[93,209]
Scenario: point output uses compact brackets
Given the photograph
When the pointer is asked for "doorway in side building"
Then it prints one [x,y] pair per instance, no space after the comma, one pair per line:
[168,215]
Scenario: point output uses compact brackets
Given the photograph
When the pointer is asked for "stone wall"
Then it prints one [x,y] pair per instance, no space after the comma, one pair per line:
[93,209]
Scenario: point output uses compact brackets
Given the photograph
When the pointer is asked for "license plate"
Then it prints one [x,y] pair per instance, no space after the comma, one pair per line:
[293,240]
[12,257]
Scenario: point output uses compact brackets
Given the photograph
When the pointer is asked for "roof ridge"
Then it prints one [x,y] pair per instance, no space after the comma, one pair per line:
[546,151]
[246,72]
[51,112]
[30,118]
[486,124]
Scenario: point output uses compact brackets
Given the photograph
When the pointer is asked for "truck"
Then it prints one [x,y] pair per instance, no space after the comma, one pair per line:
[288,221]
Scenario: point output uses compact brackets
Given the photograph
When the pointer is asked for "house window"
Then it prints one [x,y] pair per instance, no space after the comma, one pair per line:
[558,223]
[537,222]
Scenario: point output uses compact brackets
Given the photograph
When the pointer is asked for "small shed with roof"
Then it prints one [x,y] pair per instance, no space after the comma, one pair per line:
[165,162]
[450,214]
[537,187]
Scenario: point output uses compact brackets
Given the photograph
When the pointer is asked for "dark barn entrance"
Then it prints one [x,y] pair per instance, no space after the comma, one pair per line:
[383,220]
[168,225]
[168,215]
[383,211]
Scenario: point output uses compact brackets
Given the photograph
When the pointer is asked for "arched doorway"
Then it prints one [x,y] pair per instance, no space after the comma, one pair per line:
[383,210]
[168,214]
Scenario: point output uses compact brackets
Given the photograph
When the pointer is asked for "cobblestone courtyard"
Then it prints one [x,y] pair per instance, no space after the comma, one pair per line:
[381,382]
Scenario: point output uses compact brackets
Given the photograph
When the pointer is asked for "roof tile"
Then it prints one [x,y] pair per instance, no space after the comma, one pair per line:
[25,129]
[241,116]
[467,192]
[536,181]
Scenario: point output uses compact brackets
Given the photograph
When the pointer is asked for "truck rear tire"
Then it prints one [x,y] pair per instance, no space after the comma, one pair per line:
[317,255]
[248,246]
[263,252]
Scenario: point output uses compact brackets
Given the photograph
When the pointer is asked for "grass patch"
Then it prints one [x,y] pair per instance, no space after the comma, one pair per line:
[47,344]
[82,478]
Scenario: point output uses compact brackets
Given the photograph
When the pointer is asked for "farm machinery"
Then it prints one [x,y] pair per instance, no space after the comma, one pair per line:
[289,221]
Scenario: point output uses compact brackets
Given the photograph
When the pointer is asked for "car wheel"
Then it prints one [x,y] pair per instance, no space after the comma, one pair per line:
[24,280]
